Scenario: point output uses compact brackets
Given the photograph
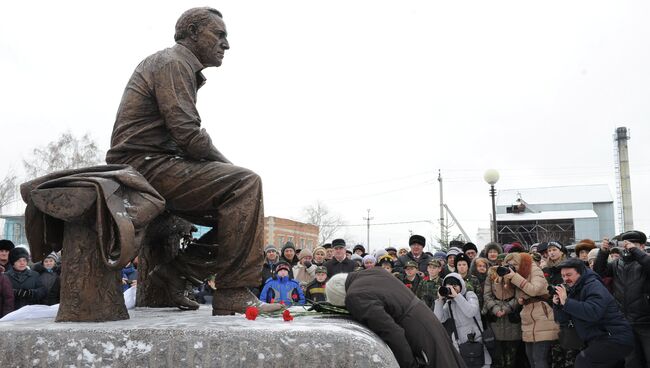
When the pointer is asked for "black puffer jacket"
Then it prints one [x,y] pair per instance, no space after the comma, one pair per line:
[52,282]
[631,283]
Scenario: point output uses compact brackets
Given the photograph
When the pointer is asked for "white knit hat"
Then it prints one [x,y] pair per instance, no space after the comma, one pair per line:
[592,254]
[335,289]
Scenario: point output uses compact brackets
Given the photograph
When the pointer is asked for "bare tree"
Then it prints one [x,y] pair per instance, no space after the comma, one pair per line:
[318,214]
[7,189]
[67,152]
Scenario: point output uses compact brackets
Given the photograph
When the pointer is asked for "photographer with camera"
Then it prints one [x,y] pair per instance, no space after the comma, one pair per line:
[461,307]
[502,312]
[584,301]
[631,289]
[538,328]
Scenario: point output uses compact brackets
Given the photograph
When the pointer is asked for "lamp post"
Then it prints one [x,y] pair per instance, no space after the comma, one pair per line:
[491,176]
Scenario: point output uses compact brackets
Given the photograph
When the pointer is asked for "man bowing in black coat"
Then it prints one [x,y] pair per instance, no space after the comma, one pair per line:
[377,299]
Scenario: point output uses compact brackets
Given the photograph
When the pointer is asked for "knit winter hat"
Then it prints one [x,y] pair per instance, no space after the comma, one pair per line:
[592,254]
[453,251]
[270,248]
[321,250]
[469,246]
[369,258]
[54,256]
[440,255]
[282,265]
[335,289]
[380,253]
[305,253]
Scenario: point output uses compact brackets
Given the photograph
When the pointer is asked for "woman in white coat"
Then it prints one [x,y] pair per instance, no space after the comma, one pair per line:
[465,308]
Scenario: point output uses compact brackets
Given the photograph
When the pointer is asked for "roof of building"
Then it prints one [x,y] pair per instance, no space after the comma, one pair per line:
[595,193]
[546,215]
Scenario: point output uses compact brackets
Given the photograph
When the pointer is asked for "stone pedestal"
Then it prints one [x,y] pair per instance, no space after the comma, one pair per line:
[167,337]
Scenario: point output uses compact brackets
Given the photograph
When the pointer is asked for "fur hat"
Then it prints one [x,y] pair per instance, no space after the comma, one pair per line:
[462,257]
[585,244]
[18,253]
[360,247]
[469,246]
[6,244]
[417,239]
[335,290]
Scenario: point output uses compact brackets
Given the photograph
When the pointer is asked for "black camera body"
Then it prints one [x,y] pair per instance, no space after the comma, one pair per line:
[444,291]
[552,291]
[504,270]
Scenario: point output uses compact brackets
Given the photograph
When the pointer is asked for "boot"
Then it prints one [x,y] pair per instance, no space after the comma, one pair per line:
[168,278]
[236,300]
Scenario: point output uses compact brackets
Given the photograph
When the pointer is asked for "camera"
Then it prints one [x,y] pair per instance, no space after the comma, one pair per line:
[444,291]
[552,291]
[504,270]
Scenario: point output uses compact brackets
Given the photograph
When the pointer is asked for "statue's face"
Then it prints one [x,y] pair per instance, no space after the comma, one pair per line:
[212,43]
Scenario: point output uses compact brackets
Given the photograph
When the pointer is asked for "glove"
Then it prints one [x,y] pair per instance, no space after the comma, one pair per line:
[307,264]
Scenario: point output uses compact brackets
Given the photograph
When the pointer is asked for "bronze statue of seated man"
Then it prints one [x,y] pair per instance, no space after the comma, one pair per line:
[158,132]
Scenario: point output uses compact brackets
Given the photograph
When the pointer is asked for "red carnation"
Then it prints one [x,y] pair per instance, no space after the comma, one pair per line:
[252,313]
[294,296]
[426,278]
[272,300]
[409,286]
[282,302]
[286,315]
[546,274]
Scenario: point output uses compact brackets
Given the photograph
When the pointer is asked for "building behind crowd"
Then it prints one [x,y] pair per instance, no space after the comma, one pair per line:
[566,213]
[278,231]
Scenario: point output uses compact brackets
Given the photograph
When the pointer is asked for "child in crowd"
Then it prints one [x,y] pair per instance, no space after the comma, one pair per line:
[315,291]
[428,289]
[282,289]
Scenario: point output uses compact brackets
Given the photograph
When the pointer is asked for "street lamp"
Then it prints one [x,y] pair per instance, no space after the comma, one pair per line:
[491,176]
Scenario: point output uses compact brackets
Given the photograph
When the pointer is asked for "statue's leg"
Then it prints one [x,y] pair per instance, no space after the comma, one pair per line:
[224,196]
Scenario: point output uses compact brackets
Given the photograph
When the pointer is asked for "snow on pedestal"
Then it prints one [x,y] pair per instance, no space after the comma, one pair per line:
[167,337]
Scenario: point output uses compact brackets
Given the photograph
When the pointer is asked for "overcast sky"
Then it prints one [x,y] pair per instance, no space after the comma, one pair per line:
[359,103]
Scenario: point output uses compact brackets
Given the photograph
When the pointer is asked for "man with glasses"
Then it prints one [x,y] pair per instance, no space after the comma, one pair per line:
[631,289]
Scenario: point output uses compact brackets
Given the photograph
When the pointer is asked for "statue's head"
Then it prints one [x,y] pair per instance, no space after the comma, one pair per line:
[203,31]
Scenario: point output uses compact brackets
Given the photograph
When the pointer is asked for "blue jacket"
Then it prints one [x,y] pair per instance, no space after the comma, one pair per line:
[594,312]
[282,289]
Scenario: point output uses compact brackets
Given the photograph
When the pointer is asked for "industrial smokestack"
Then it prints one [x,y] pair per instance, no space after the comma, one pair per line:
[623,179]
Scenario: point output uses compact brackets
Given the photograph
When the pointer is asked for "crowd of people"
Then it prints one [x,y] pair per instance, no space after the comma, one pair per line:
[536,306]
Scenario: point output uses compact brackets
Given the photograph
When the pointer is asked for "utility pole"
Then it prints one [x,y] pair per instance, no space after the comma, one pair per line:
[368,230]
[442,213]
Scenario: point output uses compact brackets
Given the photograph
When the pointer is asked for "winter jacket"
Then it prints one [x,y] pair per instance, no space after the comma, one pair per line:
[26,281]
[268,271]
[303,274]
[412,284]
[315,291]
[6,296]
[499,295]
[381,302]
[594,312]
[473,284]
[130,274]
[334,266]
[537,320]
[52,281]
[282,289]
[427,291]
[422,262]
[465,310]
[631,283]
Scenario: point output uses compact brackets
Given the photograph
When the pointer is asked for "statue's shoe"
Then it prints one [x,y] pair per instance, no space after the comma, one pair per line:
[236,300]
[167,278]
